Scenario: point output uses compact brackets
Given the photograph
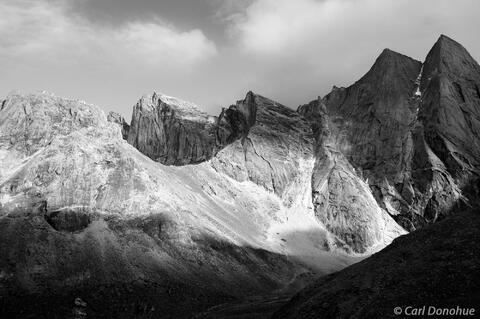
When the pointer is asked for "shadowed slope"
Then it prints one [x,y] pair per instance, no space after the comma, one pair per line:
[437,266]
[84,214]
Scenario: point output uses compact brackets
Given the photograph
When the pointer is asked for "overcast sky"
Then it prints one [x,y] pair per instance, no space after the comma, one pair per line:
[211,52]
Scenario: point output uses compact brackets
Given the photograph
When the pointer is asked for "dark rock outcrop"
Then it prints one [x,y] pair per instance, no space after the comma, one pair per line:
[342,200]
[373,120]
[411,131]
[271,150]
[176,132]
[283,154]
[435,266]
[70,220]
[449,117]
[118,119]
[235,122]
[172,131]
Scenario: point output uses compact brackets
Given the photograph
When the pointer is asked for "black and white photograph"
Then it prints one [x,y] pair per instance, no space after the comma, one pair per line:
[239,159]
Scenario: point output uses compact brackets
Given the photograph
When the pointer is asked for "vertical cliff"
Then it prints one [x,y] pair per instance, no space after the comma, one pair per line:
[449,128]
[172,131]
[342,200]
[411,131]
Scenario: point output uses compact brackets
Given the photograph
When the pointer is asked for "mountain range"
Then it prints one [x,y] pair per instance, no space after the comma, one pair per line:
[180,211]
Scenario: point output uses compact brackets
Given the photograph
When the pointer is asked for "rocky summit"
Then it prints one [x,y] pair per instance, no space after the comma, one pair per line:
[411,131]
[181,212]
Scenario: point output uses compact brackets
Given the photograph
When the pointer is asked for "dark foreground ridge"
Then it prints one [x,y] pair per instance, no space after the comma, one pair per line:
[436,266]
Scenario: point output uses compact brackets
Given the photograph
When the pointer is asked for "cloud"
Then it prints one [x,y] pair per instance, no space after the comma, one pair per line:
[288,50]
[50,33]
[284,27]
[228,9]
[305,46]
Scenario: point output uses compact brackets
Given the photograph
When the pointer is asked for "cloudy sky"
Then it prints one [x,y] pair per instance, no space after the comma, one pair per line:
[211,52]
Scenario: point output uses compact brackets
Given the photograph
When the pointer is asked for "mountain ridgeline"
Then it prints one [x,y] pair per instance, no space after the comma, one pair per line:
[271,146]
[179,210]
[412,131]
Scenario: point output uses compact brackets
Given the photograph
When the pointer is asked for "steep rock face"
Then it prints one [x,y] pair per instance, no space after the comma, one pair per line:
[175,132]
[342,201]
[84,214]
[262,141]
[450,119]
[283,154]
[402,130]
[172,131]
[118,119]
[271,153]
[374,118]
[434,266]
[276,153]
[235,122]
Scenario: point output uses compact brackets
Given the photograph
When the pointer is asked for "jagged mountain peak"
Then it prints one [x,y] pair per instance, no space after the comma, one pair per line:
[250,99]
[256,107]
[261,100]
[451,70]
[182,108]
[315,107]
[390,64]
[447,55]
[176,132]
[395,119]
[449,112]
[391,54]
[444,37]
[380,91]
[390,57]
[250,95]
[446,43]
